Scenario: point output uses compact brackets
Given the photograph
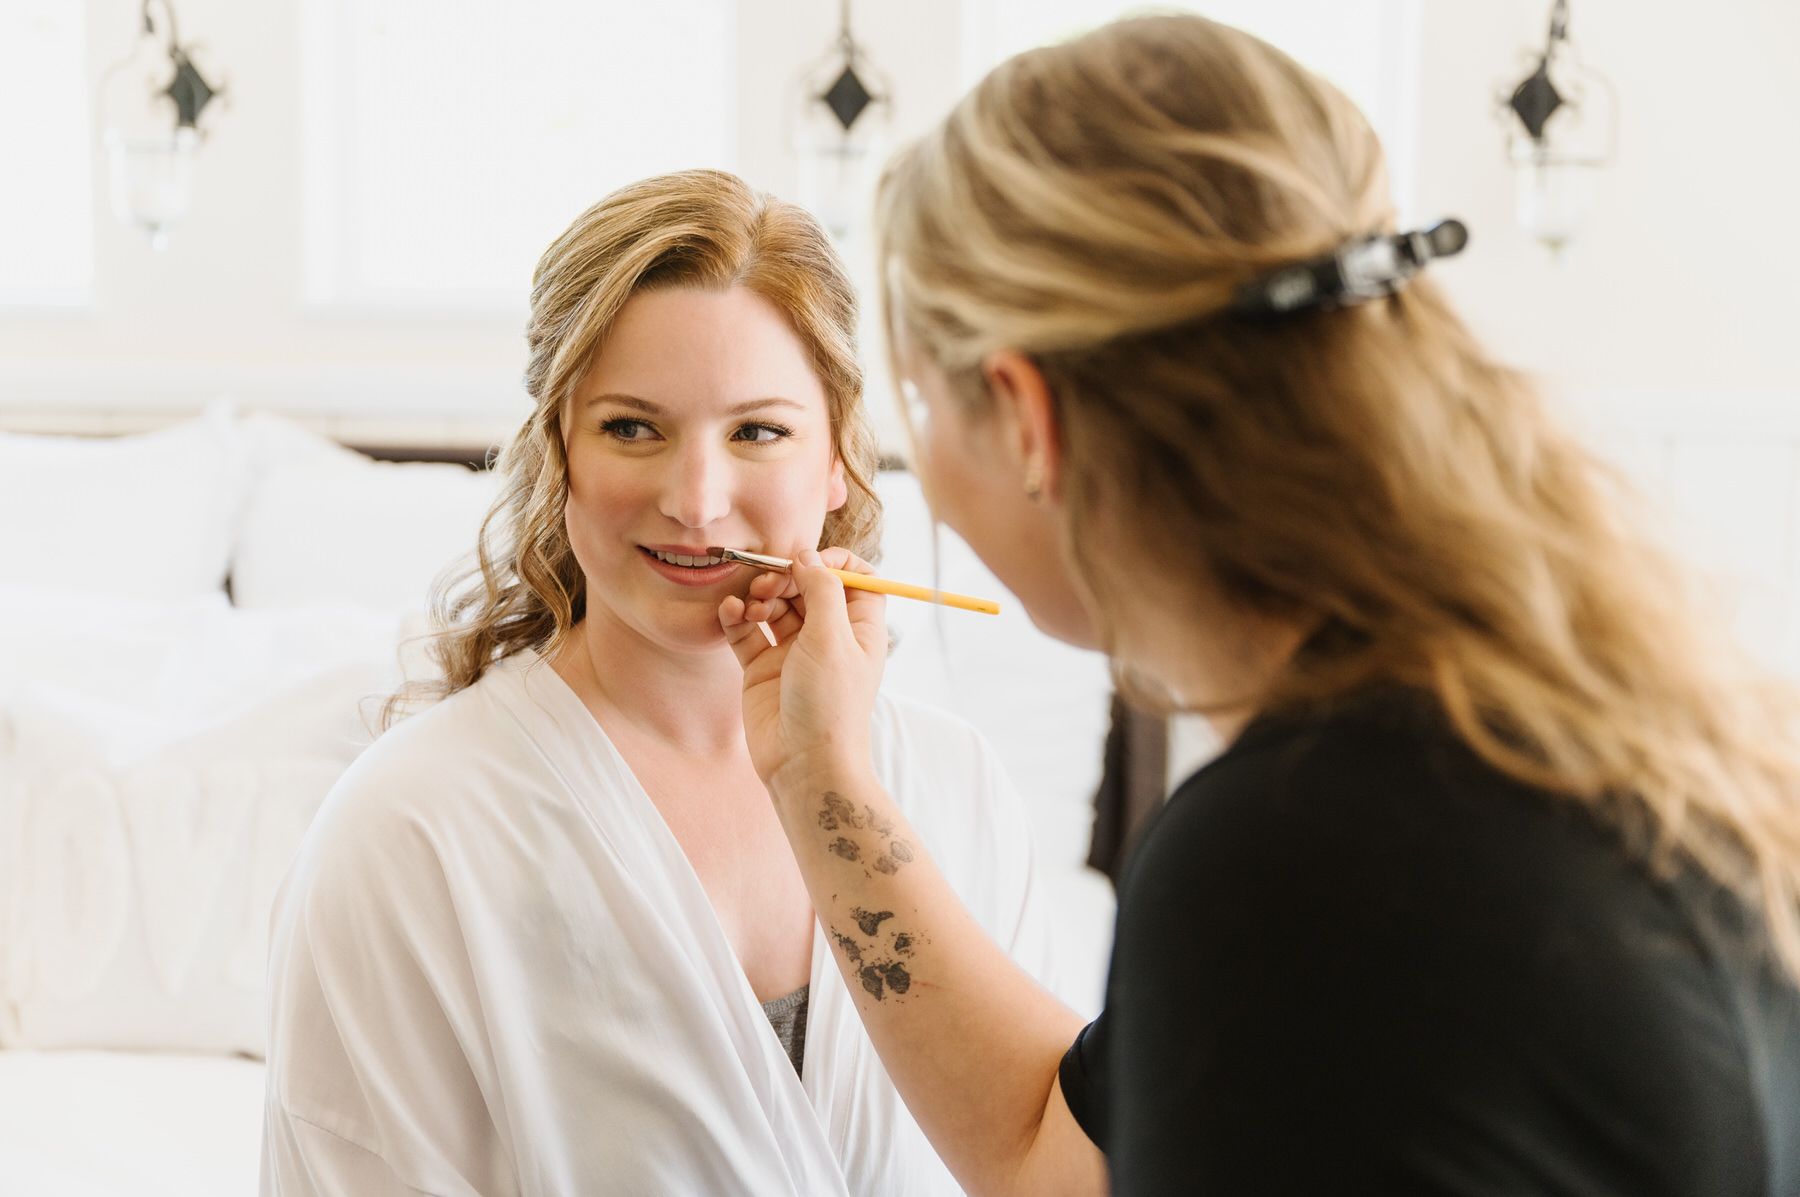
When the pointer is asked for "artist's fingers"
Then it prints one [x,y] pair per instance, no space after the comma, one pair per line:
[777,590]
[742,633]
[818,585]
[778,587]
[767,609]
[837,558]
[867,609]
[787,625]
[771,585]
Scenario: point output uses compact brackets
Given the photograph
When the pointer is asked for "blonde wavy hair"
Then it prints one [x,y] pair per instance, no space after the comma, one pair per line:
[522,588]
[1094,205]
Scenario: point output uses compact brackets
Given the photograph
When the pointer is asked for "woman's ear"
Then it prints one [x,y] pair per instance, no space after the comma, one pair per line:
[837,490]
[1029,424]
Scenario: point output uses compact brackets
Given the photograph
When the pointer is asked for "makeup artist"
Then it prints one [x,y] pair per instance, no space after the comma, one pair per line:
[1496,886]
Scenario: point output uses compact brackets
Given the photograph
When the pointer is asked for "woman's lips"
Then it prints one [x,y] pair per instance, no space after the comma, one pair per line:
[686,575]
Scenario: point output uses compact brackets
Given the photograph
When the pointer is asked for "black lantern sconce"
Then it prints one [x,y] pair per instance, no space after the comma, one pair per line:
[842,122]
[153,106]
[1562,129]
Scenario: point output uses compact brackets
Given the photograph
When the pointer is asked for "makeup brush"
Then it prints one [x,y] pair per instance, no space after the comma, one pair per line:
[856,581]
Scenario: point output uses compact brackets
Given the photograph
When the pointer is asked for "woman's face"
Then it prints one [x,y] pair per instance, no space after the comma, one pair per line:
[700,423]
[975,477]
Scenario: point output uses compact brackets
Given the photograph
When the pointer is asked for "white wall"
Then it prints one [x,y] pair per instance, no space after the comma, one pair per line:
[1665,326]
[1666,333]
[1684,280]
[219,311]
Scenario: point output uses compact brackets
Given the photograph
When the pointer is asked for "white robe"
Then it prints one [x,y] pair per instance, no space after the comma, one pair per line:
[492,970]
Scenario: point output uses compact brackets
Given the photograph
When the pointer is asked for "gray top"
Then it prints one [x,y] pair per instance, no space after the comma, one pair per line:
[788,1015]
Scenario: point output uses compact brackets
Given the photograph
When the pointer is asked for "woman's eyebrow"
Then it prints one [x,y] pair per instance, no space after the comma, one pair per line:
[649,408]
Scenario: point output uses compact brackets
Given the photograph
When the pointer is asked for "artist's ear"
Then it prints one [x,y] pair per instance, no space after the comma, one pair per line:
[837,490]
[1028,424]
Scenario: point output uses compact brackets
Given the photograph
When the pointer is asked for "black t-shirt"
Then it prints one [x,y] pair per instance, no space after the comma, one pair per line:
[1354,958]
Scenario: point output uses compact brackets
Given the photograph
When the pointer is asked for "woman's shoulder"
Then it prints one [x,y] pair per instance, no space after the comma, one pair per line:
[428,774]
[1484,938]
[933,753]
[437,745]
[1377,823]
[910,724]
[1385,773]
[951,784]
[1357,756]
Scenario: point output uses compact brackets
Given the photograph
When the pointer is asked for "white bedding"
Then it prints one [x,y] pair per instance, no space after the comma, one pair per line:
[106,1124]
[158,765]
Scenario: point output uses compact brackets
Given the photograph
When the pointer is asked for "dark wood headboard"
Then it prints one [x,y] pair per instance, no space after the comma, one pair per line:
[483,459]
[464,455]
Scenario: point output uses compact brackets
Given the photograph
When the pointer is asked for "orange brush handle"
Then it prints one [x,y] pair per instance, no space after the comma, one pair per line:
[924,594]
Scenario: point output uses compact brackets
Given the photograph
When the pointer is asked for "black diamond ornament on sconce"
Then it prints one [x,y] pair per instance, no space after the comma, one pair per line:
[155,107]
[1535,101]
[1561,128]
[848,98]
[189,90]
[841,115]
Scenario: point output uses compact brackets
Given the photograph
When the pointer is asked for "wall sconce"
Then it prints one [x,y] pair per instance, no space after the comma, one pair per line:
[841,126]
[151,103]
[1562,128]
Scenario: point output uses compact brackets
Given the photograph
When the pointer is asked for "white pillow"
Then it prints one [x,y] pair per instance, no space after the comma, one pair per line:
[147,516]
[339,527]
[272,442]
[152,793]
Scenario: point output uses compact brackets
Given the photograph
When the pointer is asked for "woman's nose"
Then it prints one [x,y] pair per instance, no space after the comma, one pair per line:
[697,489]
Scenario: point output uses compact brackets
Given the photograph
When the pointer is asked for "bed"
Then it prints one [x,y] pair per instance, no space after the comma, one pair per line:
[178,693]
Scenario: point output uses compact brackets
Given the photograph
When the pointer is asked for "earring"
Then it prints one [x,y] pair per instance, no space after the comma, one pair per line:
[1034,480]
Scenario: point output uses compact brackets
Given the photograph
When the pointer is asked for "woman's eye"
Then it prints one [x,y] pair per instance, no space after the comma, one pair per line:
[763,434]
[626,429]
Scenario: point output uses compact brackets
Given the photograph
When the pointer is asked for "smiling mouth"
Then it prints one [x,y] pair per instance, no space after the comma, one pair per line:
[684,560]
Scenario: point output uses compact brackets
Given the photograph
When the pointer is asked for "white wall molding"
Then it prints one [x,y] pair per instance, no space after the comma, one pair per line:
[373,403]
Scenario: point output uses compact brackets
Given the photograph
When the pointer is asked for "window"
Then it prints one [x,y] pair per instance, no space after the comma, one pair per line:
[446,142]
[46,156]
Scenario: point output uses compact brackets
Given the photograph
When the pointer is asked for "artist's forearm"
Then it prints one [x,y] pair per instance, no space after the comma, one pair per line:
[971,1041]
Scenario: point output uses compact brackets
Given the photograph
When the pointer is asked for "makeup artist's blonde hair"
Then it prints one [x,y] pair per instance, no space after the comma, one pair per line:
[1094,205]
[701,229]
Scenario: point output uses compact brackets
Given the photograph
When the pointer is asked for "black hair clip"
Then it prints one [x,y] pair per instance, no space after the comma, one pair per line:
[1364,269]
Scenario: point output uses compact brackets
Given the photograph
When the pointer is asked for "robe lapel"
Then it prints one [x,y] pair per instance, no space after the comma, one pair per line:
[811,1139]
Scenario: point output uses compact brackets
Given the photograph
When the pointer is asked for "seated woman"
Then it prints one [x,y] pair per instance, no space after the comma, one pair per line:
[546,936]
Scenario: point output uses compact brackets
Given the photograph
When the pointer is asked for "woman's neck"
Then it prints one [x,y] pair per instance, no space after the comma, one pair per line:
[1220,662]
[689,702]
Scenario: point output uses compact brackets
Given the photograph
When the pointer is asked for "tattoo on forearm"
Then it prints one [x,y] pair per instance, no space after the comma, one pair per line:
[836,814]
[870,922]
[877,965]
[849,947]
[879,972]
[877,968]
[896,976]
[898,852]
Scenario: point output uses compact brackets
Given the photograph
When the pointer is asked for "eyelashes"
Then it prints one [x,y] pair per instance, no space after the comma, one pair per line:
[617,429]
[634,431]
[781,431]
